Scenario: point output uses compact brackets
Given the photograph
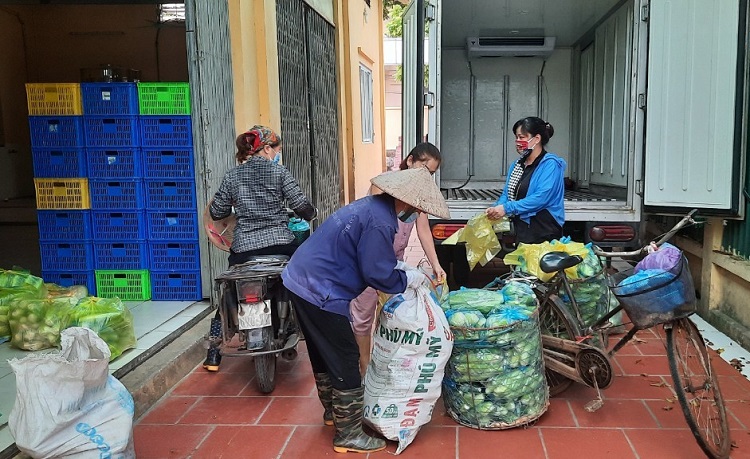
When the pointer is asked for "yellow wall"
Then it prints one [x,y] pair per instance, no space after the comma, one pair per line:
[255,67]
[362,42]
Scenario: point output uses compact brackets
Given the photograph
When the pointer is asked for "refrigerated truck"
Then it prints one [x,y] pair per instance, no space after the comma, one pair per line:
[648,99]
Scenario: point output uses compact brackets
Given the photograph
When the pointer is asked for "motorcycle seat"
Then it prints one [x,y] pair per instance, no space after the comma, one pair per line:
[268,258]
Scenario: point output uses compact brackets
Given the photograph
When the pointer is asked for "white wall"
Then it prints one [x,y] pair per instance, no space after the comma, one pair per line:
[489,109]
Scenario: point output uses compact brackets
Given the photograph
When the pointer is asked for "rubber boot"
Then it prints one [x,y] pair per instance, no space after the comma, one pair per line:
[323,382]
[213,356]
[347,417]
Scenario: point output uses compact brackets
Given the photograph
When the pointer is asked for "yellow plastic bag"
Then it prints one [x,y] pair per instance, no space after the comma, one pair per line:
[527,256]
[481,241]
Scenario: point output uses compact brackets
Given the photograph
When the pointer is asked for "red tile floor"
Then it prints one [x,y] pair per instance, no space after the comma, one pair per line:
[222,415]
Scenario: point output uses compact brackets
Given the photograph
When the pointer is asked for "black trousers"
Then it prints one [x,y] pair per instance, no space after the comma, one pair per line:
[330,344]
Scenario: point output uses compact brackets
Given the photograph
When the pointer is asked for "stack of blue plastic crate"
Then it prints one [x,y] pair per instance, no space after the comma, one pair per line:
[64,218]
[169,173]
[114,164]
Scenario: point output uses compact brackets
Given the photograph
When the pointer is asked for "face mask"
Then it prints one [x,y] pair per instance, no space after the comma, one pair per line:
[277,158]
[523,145]
[408,216]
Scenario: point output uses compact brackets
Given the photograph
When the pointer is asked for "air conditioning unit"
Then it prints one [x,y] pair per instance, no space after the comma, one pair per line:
[509,46]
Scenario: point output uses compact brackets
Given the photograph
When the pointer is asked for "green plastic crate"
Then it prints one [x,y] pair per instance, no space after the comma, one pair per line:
[127,285]
[164,98]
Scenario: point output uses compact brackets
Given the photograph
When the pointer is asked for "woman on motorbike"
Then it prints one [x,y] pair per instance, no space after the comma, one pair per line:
[351,250]
[363,307]
[257,190]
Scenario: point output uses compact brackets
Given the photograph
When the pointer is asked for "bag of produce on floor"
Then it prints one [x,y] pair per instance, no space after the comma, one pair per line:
[498,382]
[411,346]
[68,405]
[10,295]
[74,292]
[35,324]
[109,318]
[17,277]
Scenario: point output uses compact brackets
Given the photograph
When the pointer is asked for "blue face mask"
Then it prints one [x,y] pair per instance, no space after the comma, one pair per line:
[277,158]
[408,216]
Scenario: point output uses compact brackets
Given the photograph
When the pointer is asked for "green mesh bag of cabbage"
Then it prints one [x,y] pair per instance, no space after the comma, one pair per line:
[109,318]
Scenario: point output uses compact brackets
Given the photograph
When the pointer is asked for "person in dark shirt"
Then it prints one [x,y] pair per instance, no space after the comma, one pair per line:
[353,249]
[257,190]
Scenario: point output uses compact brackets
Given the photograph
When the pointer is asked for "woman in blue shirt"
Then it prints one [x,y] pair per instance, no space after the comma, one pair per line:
[353,249]
[534,193]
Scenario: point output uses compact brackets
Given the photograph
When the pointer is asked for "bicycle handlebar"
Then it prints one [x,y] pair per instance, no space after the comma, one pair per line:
[667,236]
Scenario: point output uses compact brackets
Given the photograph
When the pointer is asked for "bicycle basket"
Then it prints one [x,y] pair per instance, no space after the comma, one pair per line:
[651,297]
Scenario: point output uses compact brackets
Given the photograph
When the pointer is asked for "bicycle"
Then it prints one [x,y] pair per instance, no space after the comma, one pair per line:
[569,356]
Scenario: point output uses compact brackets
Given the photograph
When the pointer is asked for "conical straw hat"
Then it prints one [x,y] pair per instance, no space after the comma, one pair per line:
[415,187]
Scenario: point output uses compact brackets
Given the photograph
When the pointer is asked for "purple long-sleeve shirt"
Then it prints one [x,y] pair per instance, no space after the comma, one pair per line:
[352,249]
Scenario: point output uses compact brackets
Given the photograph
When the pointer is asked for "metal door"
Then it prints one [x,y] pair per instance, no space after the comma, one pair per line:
[212,95]
[308,96]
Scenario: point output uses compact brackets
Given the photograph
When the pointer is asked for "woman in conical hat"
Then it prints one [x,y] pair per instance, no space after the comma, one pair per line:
[353,249]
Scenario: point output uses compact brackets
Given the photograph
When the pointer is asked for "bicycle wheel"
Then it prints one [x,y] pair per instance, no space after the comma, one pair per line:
[555,320]
[697,388]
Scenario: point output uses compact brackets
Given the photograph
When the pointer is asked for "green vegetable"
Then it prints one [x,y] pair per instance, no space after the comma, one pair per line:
[35,324]
[109,318]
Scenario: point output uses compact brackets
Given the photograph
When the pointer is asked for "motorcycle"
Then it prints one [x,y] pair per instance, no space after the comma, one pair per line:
[255,306]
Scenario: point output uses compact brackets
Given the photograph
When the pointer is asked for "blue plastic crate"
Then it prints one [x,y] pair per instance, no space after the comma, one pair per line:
[175,163]
[67,255]
[111,131]
[170,285]
[56,131]
[166,131]
[69,278]
[111,225]
[170,195]
[172,225]
[110,98]
[116,194]
[68,162]
[64,225]
[174,256]
[114,162]
[121,255]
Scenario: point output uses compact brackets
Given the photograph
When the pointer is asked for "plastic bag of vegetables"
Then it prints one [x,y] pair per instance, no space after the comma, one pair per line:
[481,300]
[36,324]
[17,277]
[74,292]
[109,318]
[527,256]
[7,297]
[467,325]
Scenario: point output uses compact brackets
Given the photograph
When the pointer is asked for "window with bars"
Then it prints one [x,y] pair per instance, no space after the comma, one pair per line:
[366,102]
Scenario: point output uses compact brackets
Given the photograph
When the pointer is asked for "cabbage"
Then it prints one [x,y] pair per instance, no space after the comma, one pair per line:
[478,299]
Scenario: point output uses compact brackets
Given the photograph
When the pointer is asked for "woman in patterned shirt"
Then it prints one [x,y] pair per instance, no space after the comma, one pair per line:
[258,190]
[533,197]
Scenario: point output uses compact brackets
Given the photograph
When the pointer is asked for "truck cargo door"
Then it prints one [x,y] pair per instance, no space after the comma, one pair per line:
[412,92]
[695,104]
